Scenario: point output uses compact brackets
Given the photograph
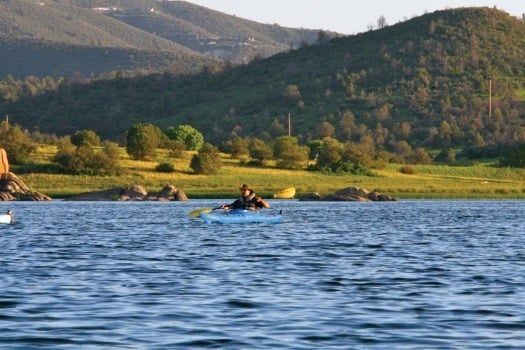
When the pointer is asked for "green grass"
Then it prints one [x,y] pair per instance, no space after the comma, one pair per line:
[480,181]
[521,94]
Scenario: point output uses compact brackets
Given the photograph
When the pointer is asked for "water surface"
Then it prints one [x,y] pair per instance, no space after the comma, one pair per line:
[392,275]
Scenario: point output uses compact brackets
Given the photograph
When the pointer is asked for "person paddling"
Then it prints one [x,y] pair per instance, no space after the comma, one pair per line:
[248,200]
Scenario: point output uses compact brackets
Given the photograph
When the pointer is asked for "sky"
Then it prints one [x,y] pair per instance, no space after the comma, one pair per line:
[344,16]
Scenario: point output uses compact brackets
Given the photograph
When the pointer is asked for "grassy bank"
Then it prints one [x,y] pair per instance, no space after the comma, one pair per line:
[481,181]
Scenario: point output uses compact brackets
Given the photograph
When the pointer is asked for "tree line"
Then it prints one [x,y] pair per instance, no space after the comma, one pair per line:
[85,153]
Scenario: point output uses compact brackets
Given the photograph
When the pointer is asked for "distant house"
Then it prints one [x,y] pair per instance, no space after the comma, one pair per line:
[105,9]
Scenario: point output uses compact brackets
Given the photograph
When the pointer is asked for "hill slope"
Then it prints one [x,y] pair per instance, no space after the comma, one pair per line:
[424,81]
[186,31]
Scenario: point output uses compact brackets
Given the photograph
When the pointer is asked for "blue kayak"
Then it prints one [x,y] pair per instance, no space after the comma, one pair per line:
[239,216]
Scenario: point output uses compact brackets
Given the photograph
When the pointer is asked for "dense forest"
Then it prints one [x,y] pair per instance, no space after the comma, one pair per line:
[451,79]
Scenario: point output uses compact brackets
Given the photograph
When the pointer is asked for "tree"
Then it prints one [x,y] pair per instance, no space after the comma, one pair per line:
[322,37]
[16,143]
[188,135]
[356,155]
[277,128]
[85,137]
[330,153]
[346,126]
[381,22]
[294,157]
[175,148]
[283,144]
[84,160]
[260,150]
[292,93]
[420,156]
[402,149]
[207,161]
[515,157]
[451,156]
[107,161]
[238,147]
[142,140]
[325,129]
[81,161]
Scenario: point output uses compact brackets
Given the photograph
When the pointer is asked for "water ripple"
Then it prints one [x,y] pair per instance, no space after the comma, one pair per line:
[401,275]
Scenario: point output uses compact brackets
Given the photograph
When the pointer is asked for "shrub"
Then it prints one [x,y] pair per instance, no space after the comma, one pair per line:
[16,143]
[207,161]
[407,169]
[165,168]
[85,137]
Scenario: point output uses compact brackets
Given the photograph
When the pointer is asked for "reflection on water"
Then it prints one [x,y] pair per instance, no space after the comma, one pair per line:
[408,274]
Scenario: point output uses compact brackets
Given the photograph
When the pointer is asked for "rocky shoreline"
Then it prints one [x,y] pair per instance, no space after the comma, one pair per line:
[132,193]
[12,188]
[350,194]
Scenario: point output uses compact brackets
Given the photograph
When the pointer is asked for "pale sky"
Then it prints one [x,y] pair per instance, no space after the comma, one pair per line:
[344,16]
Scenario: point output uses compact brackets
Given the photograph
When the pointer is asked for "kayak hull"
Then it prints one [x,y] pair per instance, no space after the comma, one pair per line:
[236,216]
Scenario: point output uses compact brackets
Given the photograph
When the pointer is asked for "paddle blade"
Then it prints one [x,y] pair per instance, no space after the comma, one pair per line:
[197,212]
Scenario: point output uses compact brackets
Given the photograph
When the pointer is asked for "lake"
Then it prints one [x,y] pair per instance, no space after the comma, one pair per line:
[334,275]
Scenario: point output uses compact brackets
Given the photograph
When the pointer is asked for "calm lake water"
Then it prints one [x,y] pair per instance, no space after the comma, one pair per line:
[396,275]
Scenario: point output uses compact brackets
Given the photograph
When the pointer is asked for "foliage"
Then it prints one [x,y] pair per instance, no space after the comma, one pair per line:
[188,135]
[85,137]
[427,88]
[348,158]
[407,169]
[478,181]
[176,148]
[142,140]
[330,153]
[207,161]
[67,38]
[16,143]
[282,144]
[238,147]
[294,158]
[165,167]
[420,156]
[84,160]
[260,150]
[290,154]
[515,157]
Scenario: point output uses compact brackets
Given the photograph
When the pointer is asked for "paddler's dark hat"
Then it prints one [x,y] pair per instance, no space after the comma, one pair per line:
[245,187]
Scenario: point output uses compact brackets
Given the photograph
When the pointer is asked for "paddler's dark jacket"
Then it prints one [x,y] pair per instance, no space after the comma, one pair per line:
[247,203]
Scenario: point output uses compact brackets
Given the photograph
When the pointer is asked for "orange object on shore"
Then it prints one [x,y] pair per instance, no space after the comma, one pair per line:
[4,164]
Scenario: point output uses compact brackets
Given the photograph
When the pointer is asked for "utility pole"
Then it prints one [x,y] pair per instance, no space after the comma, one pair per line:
[490,98]
[289,126]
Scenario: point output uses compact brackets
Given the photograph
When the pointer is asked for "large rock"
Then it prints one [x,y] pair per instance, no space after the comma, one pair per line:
[168,193]
[12,188]
[132,193]
[351,194]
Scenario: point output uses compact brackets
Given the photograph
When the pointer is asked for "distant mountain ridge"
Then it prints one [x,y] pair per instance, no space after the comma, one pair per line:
[177,31]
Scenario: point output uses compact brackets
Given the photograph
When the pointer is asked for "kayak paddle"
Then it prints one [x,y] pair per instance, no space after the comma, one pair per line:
[197,212]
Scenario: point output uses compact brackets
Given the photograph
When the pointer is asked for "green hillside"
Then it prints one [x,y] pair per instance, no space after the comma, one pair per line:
[57,29]
[42,59]
[423,82]
[213,33]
